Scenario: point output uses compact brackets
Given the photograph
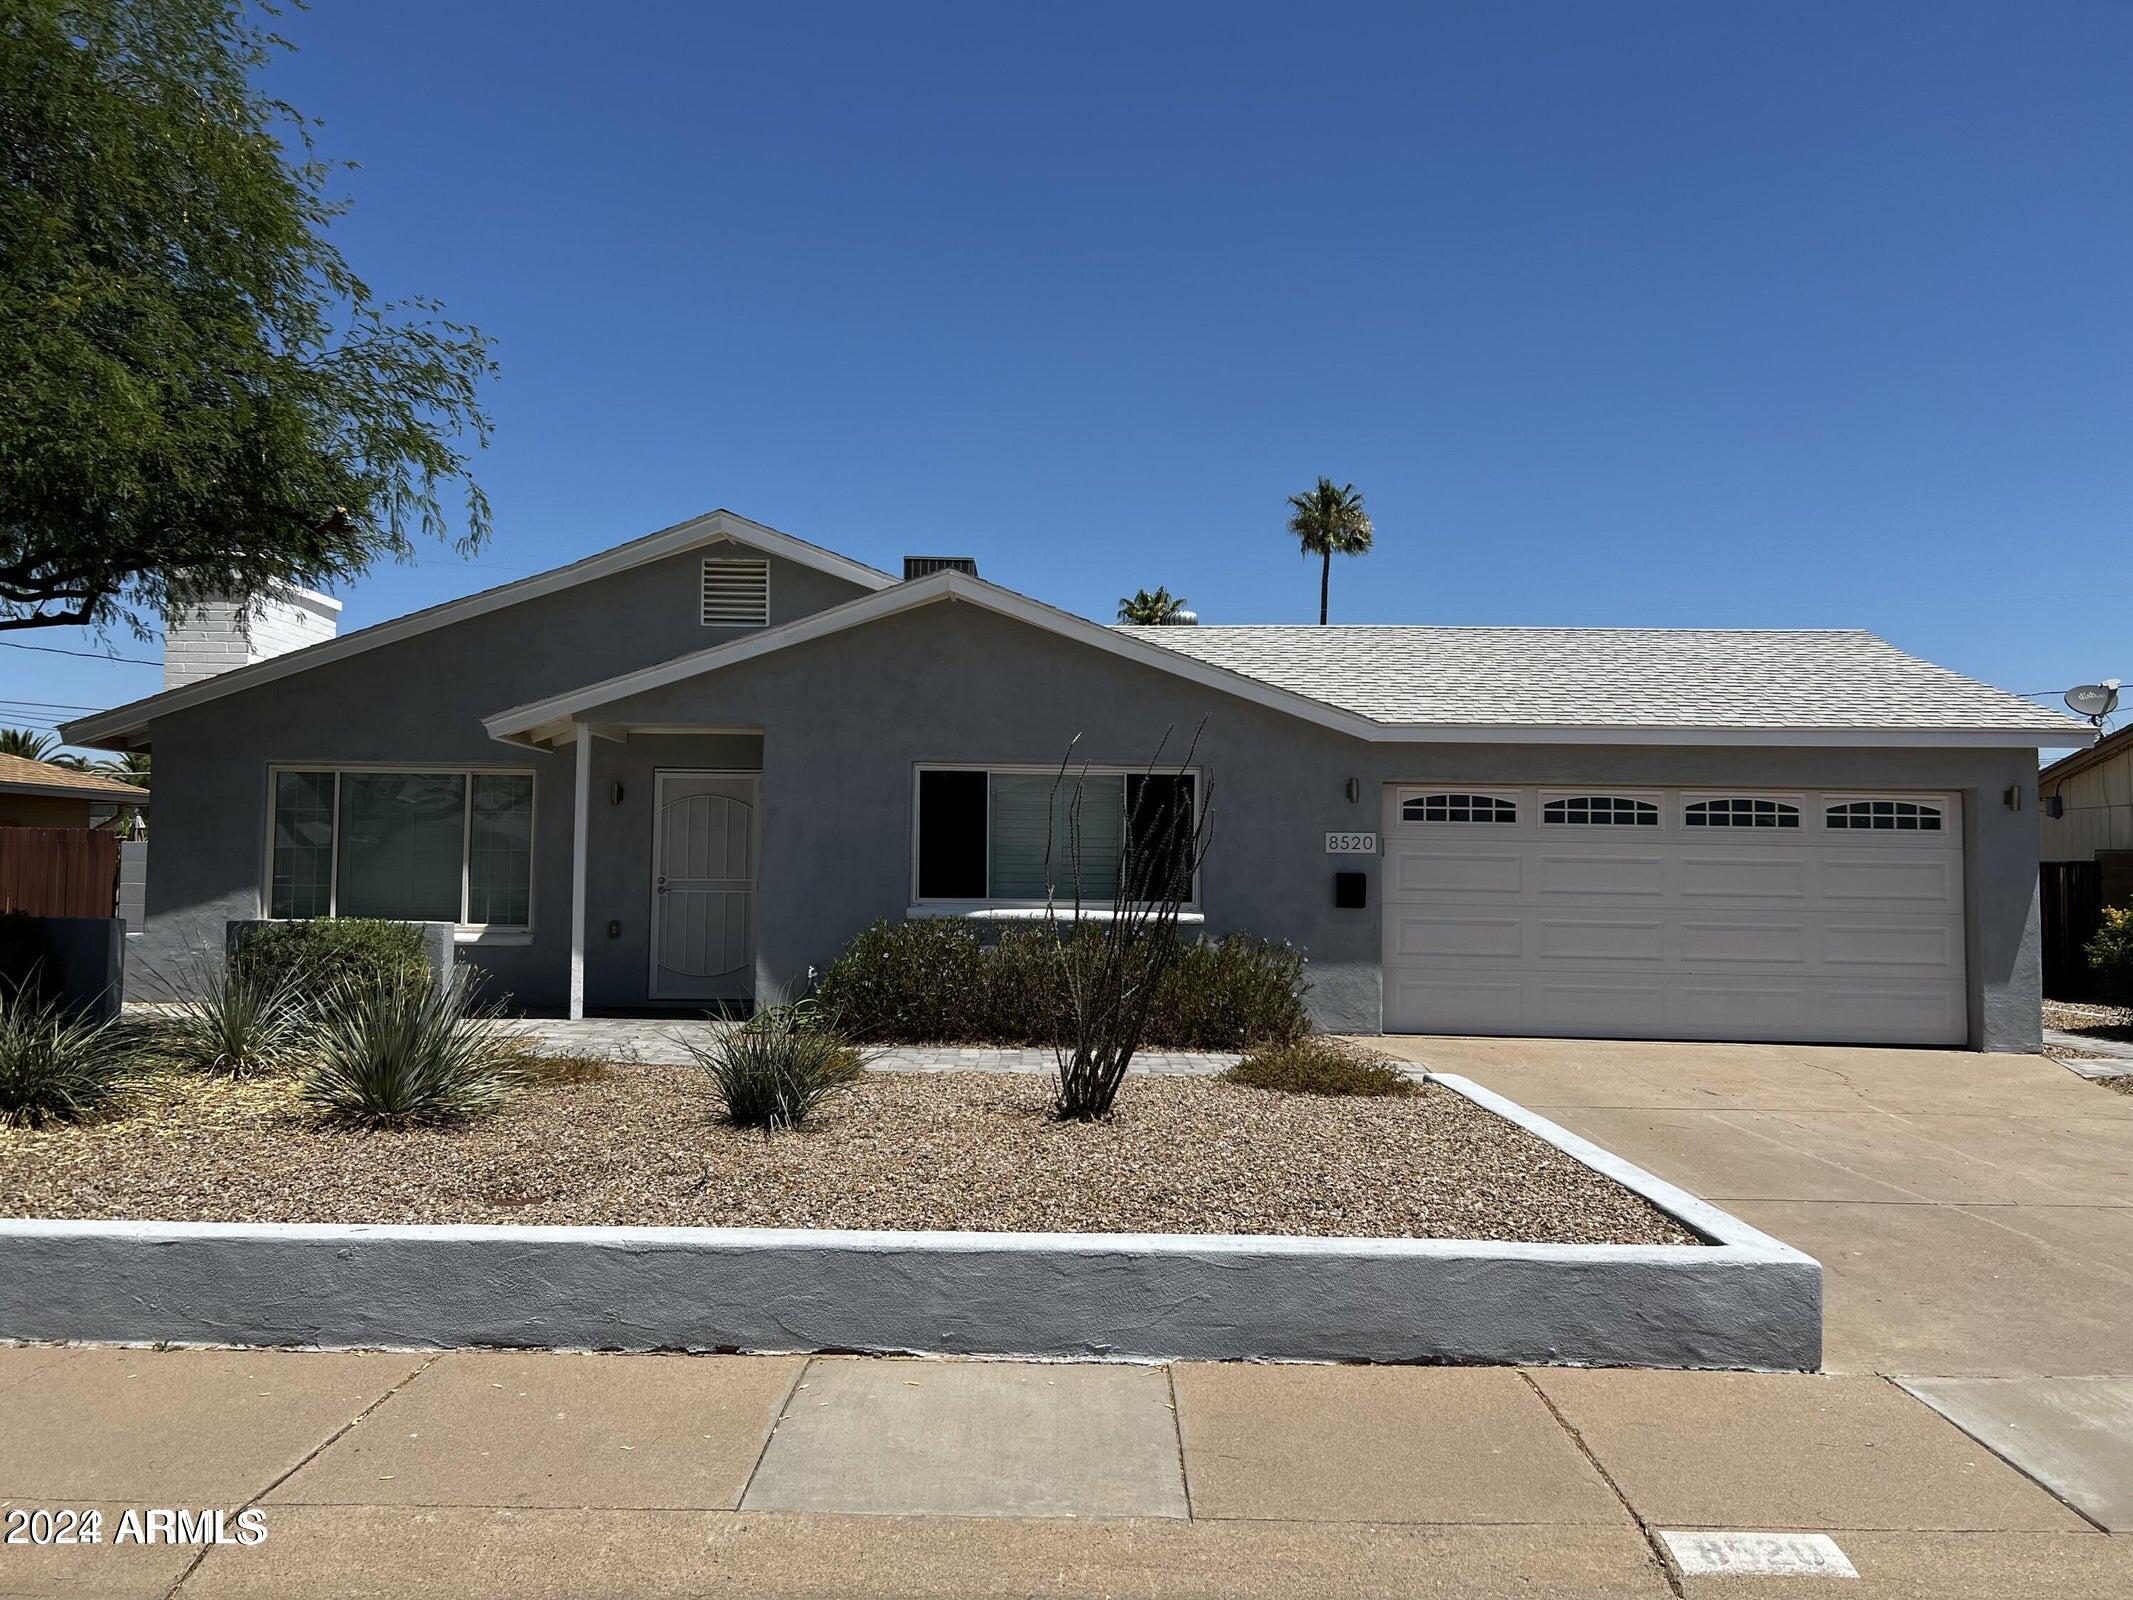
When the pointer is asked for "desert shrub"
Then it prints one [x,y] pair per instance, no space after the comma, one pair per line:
[935,982]
[403,1049]
[235,1018]
[907,983]
[777,1069]
[2110,953]
[1318,1065]
[1229,994]
[326,952]
[55,1065]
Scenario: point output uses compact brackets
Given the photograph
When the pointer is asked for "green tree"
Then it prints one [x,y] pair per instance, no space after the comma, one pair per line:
[1148,609]
[197,394]
[27,743]
[1329,521]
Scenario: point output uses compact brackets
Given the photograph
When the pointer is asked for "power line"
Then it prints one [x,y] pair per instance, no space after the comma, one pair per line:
[86,655]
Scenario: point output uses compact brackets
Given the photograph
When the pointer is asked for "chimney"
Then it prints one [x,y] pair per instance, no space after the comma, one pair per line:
[923,566]
[216,635]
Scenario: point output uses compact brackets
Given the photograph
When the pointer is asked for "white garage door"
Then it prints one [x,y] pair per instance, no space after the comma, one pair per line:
[1674,914]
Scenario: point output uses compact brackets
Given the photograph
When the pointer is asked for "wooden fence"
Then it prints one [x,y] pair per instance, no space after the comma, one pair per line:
[59,872]
[2072,904]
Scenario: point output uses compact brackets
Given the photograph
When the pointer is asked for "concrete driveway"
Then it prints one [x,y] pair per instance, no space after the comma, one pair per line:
[1973,1214]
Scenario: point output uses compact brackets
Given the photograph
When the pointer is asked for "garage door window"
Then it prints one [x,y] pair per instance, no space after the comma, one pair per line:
[1740,813]
[1885,816]
[1458,808]
[1600,810]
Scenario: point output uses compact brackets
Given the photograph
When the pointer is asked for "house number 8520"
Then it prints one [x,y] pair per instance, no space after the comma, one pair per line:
[1351,844]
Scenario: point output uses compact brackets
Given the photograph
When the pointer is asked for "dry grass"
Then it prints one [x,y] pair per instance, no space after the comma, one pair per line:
[644,1145]
[1319,1065]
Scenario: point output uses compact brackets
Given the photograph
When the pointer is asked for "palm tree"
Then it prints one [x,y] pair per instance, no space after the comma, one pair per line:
[1329,522]
[1147,609]
[27,743]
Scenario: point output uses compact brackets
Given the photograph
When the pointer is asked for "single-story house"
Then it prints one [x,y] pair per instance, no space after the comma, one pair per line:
[37,794]
[688,770]
[2085,812]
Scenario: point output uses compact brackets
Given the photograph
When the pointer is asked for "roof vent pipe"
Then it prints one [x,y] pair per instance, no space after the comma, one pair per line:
[1182,619]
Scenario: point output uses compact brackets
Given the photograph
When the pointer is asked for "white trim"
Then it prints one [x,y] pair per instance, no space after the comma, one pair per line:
[545,722]
[581,809]
[660,775]
[127,721]
[498,933]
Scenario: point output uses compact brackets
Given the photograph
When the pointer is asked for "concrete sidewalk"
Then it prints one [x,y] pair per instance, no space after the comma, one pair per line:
[479,1473]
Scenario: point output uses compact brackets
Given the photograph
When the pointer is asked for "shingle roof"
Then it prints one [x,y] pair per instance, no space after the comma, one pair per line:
[1671,678]
[19,772]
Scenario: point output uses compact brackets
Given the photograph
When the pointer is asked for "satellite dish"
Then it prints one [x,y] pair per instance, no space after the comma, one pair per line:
[2093,700]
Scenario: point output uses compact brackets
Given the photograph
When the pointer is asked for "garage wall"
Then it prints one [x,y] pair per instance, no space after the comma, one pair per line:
[846,717]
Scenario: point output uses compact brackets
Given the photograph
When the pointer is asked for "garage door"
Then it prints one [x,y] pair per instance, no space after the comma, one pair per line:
[1674,914]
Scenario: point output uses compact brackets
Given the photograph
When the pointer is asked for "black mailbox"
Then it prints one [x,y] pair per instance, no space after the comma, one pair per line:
[1351,891]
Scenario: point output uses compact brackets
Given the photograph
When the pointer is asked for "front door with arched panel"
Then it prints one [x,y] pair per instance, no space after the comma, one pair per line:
[705,836]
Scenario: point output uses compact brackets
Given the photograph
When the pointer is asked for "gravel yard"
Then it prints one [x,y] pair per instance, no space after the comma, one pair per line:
[642,1145]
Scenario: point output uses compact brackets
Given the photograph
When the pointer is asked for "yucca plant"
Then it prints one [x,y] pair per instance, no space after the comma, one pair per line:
[775,1070]
[407,1050]
[55,1066]
[235,1018]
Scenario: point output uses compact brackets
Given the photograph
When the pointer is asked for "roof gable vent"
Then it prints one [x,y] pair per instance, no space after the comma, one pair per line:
[736,593]
[924,566]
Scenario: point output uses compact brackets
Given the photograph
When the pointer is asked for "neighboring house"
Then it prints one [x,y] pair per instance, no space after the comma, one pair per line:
[688,770]
[2085,812]
[36,794]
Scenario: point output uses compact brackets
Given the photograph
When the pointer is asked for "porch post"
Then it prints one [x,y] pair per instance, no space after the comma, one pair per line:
[582,809]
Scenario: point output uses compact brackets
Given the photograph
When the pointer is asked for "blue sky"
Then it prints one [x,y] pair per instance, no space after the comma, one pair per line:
[1682,314]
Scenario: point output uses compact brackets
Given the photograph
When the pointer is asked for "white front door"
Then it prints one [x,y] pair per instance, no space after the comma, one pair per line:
[704,838]
[1666,913]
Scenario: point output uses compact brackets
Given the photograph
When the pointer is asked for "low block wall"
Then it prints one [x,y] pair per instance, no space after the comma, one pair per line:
[78,961]
[1743,1300]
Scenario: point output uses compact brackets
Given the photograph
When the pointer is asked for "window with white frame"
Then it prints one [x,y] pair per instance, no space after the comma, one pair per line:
[412,846]
[736,594]
[1006,835]
[1458,808]
[1740,812]
[1885,816]
[1600,810]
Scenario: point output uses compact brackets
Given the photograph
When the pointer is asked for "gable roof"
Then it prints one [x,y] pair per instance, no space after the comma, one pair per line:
[2110,746]
[1561,685]
[1797,680]
[123,725]
[20,775]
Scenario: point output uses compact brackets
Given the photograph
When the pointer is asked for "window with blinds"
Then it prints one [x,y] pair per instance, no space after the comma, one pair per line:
[1018,838]
[736,594]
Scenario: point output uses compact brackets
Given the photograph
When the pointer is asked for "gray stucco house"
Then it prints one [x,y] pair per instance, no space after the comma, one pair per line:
[687,770]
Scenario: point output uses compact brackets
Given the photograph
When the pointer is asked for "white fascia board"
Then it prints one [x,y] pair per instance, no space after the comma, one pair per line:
[110,729]
[1810,738]
[536,722]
